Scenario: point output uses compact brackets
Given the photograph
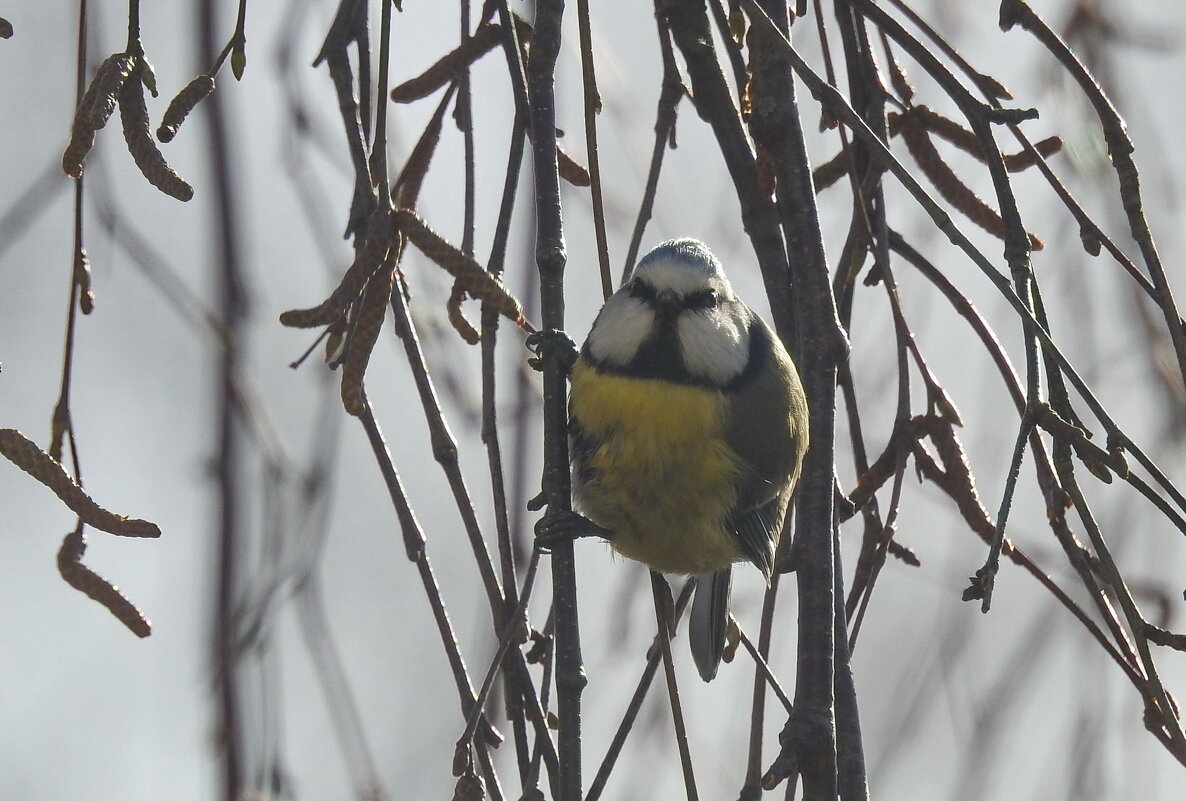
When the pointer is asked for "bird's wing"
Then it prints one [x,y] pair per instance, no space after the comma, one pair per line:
[763,433]
[757,532]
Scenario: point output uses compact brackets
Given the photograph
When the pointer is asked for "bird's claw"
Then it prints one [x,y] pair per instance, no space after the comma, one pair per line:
[555,528]
[552,345]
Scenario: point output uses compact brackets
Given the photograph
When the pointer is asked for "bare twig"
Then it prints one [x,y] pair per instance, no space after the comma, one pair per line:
[551,257]
[592,109]
[665,617]
[1120,148]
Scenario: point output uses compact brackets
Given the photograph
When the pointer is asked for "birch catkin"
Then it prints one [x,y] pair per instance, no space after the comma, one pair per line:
[179,108]
[471,276]
[95,108]
[134,115]
[370,258]
[24,453]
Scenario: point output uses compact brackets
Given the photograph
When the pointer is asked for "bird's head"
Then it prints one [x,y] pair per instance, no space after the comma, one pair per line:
[676,318]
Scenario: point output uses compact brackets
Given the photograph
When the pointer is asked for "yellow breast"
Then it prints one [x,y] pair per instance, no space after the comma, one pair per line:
[657,471]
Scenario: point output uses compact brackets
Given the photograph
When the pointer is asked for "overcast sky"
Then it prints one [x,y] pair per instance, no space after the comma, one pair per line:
[1019,699]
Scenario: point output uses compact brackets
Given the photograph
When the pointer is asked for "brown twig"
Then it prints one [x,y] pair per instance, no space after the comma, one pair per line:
[670,93]
[415,543]
[592,107]
[1120,149]
[654,656]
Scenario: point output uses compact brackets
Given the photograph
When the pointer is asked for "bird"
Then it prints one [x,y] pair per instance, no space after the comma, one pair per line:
[687,430]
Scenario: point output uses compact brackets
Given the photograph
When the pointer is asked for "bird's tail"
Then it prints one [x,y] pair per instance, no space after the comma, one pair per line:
[710,617]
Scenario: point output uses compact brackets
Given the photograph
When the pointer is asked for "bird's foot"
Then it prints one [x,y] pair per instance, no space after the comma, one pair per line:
[552,345]
[555,528]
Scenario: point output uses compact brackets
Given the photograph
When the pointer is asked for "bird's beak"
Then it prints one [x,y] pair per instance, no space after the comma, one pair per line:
[668,304]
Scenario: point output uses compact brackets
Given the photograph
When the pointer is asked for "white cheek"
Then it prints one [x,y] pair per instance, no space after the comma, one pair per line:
[621,327]
[715,346]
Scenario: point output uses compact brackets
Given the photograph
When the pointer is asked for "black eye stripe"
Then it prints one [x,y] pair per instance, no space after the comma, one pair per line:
[643,291]
[704,299]
[696,301]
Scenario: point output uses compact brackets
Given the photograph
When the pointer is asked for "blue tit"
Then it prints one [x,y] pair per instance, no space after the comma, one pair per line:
[688,426]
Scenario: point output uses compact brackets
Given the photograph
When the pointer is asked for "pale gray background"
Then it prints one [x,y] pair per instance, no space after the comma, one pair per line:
[88,711]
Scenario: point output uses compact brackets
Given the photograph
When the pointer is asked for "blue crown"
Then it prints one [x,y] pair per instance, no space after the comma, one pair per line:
[690,253]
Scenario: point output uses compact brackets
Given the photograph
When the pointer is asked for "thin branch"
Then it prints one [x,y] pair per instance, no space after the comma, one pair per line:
[654,655]
[1120,148]
[592,109]
[550,258]
[664,616]
[415,547]
[669,96]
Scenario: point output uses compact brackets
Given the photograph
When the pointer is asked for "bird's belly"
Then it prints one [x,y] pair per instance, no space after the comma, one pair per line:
[656,471]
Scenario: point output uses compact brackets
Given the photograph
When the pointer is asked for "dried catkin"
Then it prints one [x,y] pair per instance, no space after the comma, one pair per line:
[967,141]
[830,171]
[470,275]
[1016,162]
[370,258]
[370,313]
[451,65]
[953,190]
[25,454]
[95,108]
[97,588]
[134,115]
[457,318]
[570,170]
[179,108]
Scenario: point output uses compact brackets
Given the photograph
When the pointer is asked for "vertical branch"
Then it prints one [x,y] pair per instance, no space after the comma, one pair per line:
[810,734]
[515,702]
[664,616]
[61,424]
[852,777]
[592,109]
[869,231]
[597,786]
[349,25]
[233,307]
[550,258]
[490,437]
[380,180]
[690,30]
[463,116]
[751,789]
[669,97]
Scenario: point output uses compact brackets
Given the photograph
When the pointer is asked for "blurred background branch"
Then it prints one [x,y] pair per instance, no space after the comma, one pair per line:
[275,517]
